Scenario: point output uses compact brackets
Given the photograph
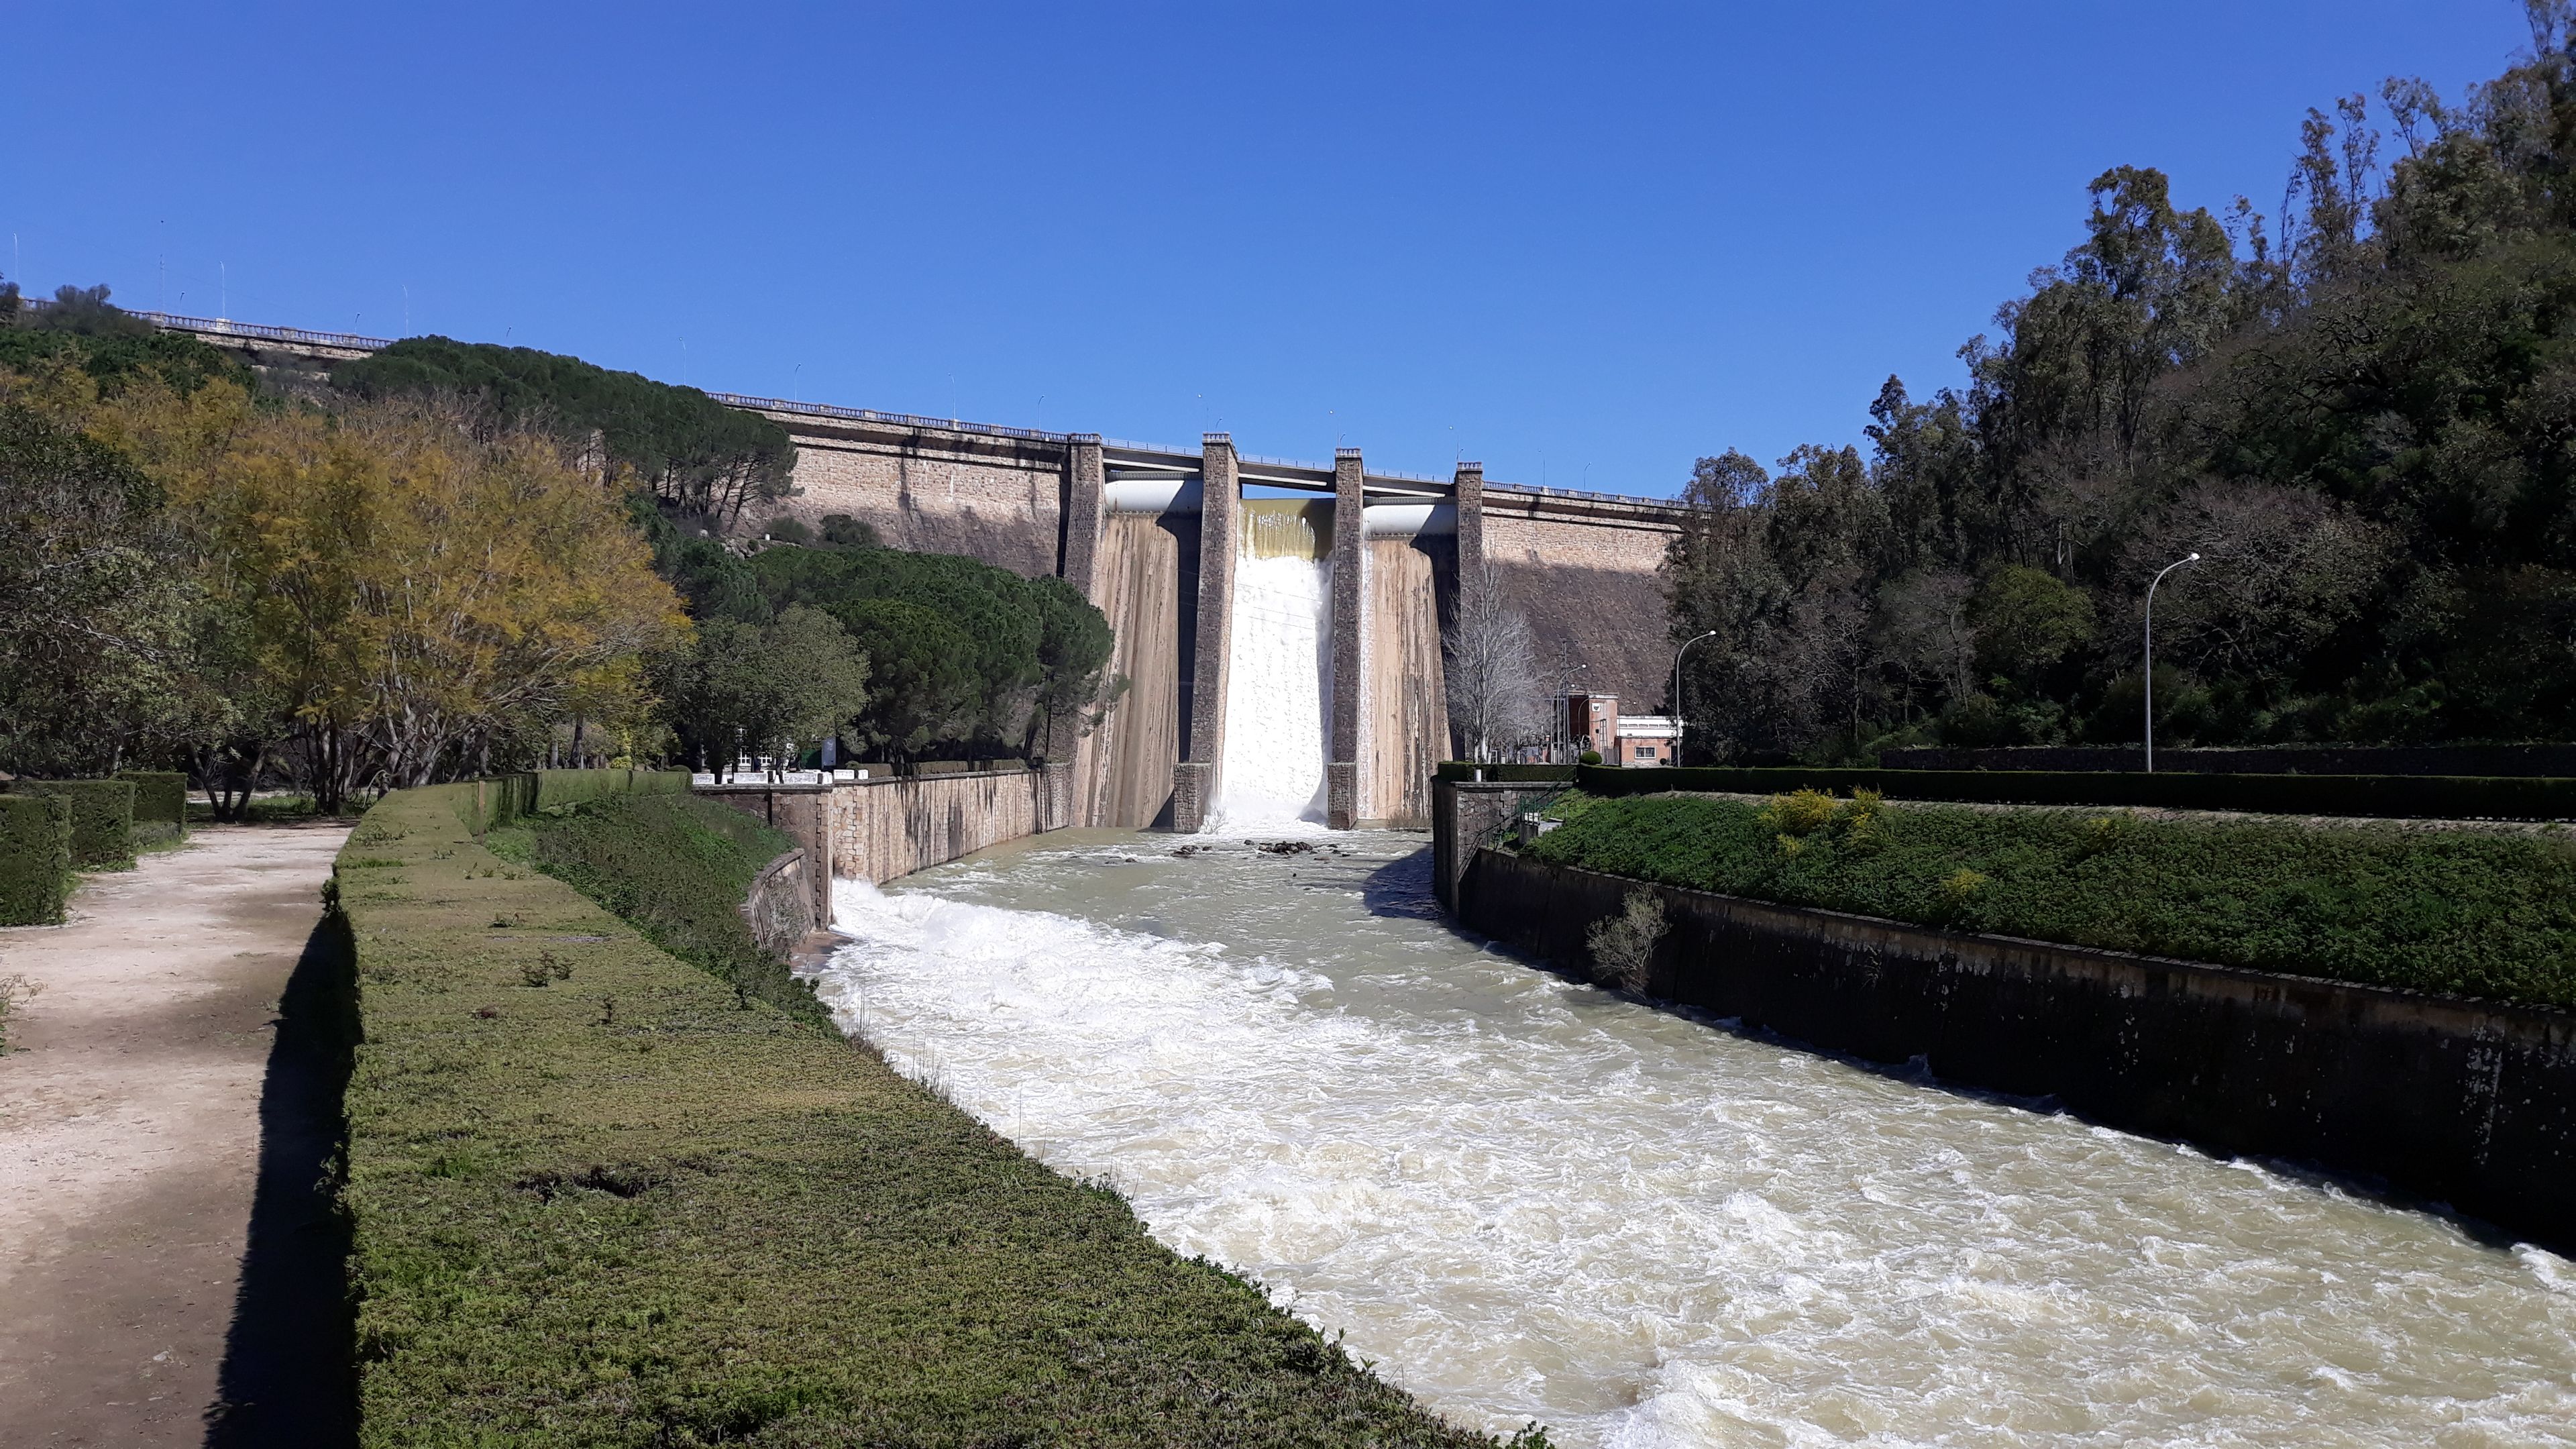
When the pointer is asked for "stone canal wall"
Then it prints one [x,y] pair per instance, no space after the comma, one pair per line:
[875,830]
[2463,1102]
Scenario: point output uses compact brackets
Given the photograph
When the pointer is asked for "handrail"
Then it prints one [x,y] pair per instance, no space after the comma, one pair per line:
[226,327]
[871,415]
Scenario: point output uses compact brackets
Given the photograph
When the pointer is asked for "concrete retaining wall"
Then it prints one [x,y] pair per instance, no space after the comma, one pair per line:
[878,829]
[780,905]
[2457,1101]
[882,829]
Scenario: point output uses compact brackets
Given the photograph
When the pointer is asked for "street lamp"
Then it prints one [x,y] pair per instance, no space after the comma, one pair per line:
[2151,654]
[1678,726]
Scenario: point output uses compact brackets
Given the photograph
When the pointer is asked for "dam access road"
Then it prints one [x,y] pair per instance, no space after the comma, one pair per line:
[139,1117]
[1526,1198]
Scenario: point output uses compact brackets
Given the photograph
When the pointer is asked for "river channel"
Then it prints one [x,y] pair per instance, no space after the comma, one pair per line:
[1524,1198]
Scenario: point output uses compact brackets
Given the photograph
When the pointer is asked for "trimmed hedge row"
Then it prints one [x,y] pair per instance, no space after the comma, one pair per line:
[599,1199]
[2458,912]
[102,819]
[676,867]
[160,805]
[159,795]
[1465,770]
[482,805]
[2394,797]
[35,859]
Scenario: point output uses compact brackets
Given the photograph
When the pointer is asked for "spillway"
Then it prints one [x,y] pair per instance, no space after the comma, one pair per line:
[1279,670]
[1525,1198]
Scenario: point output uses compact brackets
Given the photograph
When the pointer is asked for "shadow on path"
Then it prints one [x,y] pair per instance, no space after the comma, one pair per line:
[289,1375]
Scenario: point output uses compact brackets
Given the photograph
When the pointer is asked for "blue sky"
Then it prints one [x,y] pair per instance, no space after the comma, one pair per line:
[1584,243]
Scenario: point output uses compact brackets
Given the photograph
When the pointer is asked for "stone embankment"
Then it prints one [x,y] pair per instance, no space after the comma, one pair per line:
[2462,1102]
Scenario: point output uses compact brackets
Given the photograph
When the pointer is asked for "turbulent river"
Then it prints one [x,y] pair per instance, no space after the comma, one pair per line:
[1527,1199]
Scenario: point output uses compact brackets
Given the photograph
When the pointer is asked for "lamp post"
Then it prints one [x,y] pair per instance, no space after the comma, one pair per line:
[2151,654]
[1678,726]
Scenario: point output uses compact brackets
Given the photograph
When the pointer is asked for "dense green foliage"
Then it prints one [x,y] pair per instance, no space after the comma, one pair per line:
[623,1208]
[35,859]
[759,689]
[2394,797]
[82,329]
[676,867]
[963,654]
[102,819]
[2360,427]
[96,625]
[707,461]
[160,807]
[2462,912]
[159,795]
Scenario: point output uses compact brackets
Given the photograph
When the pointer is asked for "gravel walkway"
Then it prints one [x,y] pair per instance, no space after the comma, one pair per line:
[130,1132]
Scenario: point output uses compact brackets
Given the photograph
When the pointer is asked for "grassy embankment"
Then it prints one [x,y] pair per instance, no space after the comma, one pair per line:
[599,1197]
[2461,912]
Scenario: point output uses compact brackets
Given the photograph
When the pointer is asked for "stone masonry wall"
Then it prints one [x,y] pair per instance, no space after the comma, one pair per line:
[2464,1102]
[882,829]
[999,500]
[1592,597]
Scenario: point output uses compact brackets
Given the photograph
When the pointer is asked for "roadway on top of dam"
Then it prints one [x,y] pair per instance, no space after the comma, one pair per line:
[1117,453]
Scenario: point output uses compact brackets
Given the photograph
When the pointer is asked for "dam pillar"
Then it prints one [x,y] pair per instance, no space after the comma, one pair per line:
[1342,793]
[1085,488]
[1470,485]
[1195,780]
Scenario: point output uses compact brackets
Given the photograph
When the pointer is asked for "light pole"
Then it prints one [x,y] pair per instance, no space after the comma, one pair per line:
[1678,726]
[2151,654]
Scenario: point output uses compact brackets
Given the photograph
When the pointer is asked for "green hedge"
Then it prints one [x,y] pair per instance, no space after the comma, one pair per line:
[159,795]
[597,1199]
[1465,770]
[2460,912]
[677,867]
[483,804]
[35,859]
[2395,797]
[102,819]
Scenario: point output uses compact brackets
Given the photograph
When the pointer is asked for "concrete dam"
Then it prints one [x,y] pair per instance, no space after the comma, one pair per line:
[1281,663]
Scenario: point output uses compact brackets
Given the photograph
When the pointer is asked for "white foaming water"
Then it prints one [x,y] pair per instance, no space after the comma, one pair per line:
[1278,696]
[1528,1199]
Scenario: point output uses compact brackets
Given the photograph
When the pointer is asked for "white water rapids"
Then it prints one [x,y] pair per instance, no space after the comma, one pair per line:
[1527,1199]
[1278,695]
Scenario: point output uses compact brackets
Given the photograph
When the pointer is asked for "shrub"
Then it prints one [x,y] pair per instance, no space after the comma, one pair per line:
[677,867]
[2464,912]
[2400,797]
[626,1209]
[1623,946]
[160,805]
[1590,757]
[35,858]
[102,813]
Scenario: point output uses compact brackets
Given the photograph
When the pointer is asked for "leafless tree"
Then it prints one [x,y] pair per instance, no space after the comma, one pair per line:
[1492,679]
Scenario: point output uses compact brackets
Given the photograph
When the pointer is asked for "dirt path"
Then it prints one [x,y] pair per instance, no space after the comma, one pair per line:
[130,1132]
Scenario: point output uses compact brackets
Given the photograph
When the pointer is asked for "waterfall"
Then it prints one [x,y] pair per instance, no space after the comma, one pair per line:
[1279,670]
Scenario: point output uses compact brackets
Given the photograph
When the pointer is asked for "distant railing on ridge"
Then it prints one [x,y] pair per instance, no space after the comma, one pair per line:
[225,327]
[871,415]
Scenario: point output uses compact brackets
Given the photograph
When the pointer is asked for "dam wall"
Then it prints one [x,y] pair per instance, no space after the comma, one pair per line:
[1581,565]
[1584,571]
[2465,1102]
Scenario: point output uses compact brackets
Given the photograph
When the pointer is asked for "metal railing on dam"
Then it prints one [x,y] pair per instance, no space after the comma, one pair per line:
[222,329]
